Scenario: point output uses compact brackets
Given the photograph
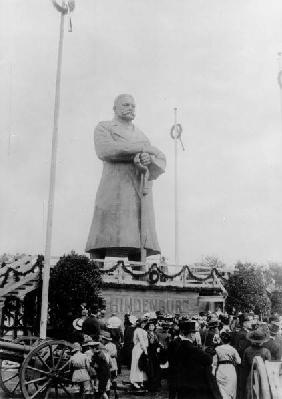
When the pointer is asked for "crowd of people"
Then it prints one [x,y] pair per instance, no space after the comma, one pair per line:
[206,356]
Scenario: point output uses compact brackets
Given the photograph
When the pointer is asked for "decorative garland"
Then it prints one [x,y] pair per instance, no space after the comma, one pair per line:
[220,275]
[154,276]
[154,268]
[17,275]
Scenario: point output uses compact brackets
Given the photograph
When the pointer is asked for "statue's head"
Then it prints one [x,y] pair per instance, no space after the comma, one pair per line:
[124,107]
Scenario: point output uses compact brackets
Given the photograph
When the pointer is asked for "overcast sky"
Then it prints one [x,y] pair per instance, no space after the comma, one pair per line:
[214,60]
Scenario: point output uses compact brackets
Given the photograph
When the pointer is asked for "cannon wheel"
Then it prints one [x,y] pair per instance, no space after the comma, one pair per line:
[259,380]
[45,369]
[9,371]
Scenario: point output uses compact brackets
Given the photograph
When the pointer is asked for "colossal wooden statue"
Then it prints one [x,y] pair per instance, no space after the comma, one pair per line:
[124,205]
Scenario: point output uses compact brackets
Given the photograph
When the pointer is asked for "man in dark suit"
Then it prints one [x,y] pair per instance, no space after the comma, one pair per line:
[172,350]
[191,365]
[239,338]
[91,325]
[240,343]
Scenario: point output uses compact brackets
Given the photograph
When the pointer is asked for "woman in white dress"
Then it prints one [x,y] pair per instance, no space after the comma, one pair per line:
[224,362]
[140,340]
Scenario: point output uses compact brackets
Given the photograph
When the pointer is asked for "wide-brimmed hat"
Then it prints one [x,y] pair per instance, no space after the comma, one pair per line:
[152,321]
[150,315]
[168,317]
[91,343]
[163,326]
[105,335]
[132,319]
[141,320]
[77,323]
[257,337]
[76,347]
[274,329]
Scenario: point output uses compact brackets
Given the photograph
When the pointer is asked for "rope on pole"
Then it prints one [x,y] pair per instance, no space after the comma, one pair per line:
[175,133]
[176,130]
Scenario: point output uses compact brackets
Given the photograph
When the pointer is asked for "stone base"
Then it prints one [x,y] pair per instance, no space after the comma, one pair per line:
[137,300]
[132,254]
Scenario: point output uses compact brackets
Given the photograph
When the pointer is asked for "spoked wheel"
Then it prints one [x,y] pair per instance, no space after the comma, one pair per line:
[10,370]
[45,371]
[259,380]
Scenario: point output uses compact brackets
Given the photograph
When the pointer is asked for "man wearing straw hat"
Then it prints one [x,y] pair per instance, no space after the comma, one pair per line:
[130,164]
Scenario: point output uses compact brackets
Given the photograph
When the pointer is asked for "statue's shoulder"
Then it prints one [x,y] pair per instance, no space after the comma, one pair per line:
[104,125]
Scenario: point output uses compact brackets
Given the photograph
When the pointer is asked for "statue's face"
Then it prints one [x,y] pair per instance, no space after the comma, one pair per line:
[125,108]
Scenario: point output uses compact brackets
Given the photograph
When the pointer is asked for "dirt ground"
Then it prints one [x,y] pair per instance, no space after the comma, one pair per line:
[123,393]
[123,390]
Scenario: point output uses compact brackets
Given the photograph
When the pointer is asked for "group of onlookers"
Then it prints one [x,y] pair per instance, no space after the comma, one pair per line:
[207,356]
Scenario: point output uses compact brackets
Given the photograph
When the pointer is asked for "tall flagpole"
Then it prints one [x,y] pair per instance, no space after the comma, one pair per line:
[64,9]
[175,133]
[279,78]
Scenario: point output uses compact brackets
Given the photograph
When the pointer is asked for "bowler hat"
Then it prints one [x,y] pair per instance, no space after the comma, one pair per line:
[187,327]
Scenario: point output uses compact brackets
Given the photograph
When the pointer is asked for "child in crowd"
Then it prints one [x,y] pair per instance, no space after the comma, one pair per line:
[106,340]
[80,365]
[102,364]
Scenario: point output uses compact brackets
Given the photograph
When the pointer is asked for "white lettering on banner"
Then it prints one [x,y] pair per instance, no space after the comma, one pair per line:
[140,305]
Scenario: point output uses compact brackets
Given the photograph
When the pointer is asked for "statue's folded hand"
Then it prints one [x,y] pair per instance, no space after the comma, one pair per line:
[145,158]
[137,162]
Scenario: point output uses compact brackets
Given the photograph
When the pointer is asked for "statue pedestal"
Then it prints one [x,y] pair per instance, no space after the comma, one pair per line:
[126,254]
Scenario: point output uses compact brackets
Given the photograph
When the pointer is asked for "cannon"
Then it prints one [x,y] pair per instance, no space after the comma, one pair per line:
[266,379]
[35,367]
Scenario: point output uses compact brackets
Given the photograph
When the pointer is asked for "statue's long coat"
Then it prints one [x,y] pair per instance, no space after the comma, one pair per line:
[116,220]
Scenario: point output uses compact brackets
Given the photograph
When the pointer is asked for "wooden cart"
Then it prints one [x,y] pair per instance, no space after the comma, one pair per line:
[266,379]
[35,368]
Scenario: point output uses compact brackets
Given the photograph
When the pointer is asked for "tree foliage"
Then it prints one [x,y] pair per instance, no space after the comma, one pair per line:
[247,289]
[276,302]
[73,281]
[211,262]
[276,272]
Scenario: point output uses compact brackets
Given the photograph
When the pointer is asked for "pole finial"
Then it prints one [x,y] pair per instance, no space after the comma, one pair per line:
[66,6]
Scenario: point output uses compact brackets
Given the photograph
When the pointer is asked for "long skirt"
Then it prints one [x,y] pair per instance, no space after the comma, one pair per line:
[226,378]
[136,375]
[154,371]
